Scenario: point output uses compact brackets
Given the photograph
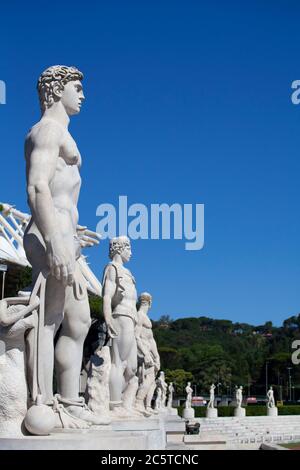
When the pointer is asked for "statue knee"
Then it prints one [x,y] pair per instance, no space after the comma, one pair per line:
[78,328]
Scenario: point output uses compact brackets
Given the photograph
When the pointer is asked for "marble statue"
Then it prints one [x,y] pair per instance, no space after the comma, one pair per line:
[272,409]
[164,387]
[148,356]
[270,397]
[120,313]
[188,412]
[51,243]
[158,401]
[239,396]
[97,388]
[16,319]
[189,393]
[211,396]
[170,396]
[211,411]
[239,411]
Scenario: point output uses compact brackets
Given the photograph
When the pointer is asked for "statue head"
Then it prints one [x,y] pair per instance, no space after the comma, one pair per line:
[61,83]
[145,299]
[120,246]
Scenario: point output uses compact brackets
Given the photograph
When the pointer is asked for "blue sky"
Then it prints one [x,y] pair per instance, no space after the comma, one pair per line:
[187,102]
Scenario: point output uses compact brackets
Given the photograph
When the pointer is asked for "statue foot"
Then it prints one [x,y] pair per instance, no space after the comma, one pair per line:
[151,410]
[142,410]
[120,412]
[124,412]
[85,414]
[78,410]
[65,420]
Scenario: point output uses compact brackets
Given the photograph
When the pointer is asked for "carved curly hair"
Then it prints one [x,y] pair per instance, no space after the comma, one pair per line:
[52,82]
[117,245]
[145,297]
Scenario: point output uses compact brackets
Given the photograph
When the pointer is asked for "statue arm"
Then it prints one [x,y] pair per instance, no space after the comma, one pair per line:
[42,164]
[143,348]
[154,352]
[109,289]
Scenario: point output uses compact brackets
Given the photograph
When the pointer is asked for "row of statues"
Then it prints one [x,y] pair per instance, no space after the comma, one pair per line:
[238,397]
[43,329]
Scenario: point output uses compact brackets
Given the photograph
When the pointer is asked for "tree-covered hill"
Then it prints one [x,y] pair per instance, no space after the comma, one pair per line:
[230,354]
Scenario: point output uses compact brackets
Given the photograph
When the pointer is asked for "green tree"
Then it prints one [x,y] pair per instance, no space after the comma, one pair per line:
[179,377]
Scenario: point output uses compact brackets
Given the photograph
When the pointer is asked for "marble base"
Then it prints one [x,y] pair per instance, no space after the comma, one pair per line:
[172,411]
[146,434]
[188,413]
[239,412]
[211,412]
[272,411]
[153,428]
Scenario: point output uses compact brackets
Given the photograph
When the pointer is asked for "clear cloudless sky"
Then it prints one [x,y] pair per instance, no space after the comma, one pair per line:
[187,102]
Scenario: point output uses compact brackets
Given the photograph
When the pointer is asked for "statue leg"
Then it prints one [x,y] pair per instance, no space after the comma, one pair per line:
[150,394]
[54,307]
[123,355]
[116,378]
[69,348]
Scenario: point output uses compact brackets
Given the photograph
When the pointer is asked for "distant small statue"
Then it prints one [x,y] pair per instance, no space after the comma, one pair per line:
[158,400]
[270,397]
[239,396]
[163,386]
[211,396]
[189,393]
[170,397]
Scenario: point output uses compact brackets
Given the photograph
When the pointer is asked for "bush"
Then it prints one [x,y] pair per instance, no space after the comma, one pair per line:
[227,411]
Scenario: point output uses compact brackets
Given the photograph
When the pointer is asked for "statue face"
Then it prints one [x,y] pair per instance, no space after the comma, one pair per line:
[145,303]
[72,97]
[126,253]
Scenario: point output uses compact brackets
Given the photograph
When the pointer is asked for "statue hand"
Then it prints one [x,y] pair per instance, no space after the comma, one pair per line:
[60,261]
[111,329]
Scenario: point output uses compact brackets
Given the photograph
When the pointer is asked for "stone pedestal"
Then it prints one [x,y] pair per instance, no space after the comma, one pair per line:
[272,411]
[239,412]
[172,411]
[188,413]
[142,434]
[211,412]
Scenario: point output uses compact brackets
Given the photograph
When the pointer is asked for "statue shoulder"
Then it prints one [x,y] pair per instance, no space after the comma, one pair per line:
[45,133]
[110,272]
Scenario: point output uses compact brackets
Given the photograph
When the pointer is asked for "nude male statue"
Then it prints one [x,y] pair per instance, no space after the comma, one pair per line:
[147,354]
[53,163]
[120,313]
[211,396]
[170,396]
[270,396]
[164,387]
[189,393]
[239,396]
